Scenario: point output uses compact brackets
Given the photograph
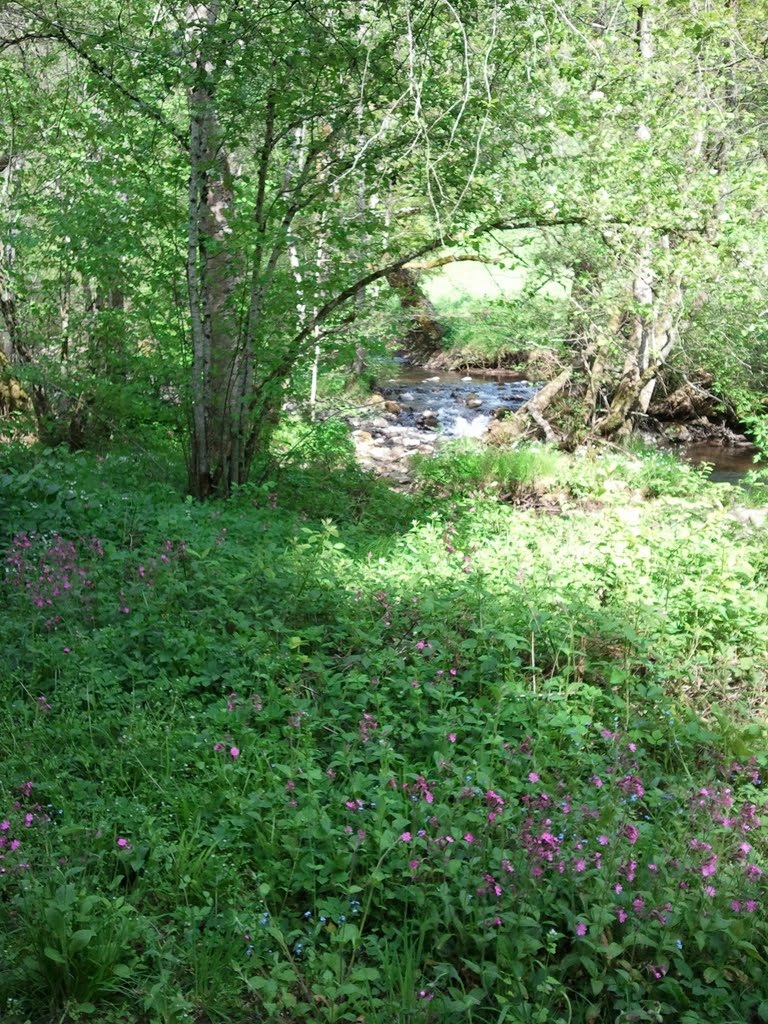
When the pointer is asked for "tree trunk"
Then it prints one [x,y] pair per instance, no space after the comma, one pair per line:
[532,411]
[425,333]
[218,363]
[16,350]
[657,307]
[12,397]
[654,335]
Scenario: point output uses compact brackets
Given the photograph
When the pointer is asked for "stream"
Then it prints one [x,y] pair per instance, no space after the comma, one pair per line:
[459,405]
[415,410]
[729,463]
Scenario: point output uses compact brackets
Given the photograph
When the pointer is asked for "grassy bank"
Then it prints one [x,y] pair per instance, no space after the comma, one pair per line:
[328,752]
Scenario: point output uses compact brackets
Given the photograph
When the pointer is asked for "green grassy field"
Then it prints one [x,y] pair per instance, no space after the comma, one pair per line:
[458,283]
[329,752]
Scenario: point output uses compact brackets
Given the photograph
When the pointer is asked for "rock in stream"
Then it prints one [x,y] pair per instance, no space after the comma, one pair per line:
[414,413]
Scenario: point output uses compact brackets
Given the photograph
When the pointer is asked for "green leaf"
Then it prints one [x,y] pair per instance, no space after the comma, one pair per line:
[80,939]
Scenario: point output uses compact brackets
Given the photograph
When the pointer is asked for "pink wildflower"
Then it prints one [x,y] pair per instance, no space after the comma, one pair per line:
[709,867]
[631,833]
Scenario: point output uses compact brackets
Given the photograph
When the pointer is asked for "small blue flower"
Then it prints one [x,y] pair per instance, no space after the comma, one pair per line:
[679,943]
[307,913]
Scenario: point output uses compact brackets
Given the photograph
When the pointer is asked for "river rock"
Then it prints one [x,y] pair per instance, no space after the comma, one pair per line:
[363,437]
[393,408]
[428,418]
[678,433]
[754,517]
[473,401]
[376,401]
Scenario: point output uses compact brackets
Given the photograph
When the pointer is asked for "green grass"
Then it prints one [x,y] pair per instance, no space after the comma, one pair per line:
[467,465]
[515,269]
[328,752]
[494,310]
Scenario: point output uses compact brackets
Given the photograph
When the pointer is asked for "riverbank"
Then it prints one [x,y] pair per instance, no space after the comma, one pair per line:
[414,411]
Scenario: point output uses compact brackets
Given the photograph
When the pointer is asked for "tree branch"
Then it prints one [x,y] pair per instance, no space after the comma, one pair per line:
[28,37]
[55,31]
[441,261]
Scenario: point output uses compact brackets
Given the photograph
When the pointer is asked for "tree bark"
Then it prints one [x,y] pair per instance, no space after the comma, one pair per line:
[218,365]
[425,333]
[532,411]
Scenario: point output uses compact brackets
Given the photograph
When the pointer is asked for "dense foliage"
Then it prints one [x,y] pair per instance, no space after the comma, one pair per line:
[201,201]
[328,752]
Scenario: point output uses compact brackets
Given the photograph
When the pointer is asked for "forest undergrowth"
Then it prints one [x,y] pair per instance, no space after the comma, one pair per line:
[330,752]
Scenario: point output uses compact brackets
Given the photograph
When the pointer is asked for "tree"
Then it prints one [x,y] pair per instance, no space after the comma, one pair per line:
[214,186]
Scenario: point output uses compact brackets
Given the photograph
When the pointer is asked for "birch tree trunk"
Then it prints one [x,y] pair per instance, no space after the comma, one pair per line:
[657,303]
[218,364]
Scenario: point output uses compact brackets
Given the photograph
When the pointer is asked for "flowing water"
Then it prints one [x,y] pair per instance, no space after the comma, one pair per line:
[455,404]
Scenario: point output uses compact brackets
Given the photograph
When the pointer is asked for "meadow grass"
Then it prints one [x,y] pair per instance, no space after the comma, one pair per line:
[330,752]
